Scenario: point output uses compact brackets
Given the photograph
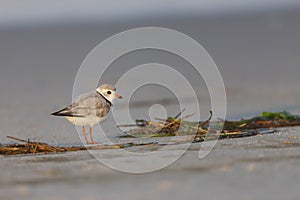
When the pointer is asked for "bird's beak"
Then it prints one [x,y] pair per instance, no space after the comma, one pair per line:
[118,96]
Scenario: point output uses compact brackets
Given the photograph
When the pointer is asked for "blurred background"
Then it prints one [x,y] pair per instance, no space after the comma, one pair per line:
[255,44]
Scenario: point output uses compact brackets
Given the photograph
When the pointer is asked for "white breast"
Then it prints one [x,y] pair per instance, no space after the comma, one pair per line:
[86,121]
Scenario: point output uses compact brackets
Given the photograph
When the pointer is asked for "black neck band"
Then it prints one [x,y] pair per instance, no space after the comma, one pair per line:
[104,98]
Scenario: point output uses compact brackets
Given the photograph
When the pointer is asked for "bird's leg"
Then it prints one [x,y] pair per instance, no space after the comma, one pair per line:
[91,136]
[84,135]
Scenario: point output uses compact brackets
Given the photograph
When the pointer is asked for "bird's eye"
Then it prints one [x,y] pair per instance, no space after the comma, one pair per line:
[108,92]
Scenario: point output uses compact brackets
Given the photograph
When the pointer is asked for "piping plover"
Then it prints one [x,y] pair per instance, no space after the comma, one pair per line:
[90,109]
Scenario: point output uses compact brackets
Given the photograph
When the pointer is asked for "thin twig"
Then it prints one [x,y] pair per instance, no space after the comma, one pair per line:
[14,138]
[202,124]
[179,113]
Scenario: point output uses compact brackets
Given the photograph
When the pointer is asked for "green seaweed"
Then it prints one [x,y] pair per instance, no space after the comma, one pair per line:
[278,115]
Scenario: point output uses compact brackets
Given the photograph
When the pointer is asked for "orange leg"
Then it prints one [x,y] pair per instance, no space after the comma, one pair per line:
[84,135]
[91,135]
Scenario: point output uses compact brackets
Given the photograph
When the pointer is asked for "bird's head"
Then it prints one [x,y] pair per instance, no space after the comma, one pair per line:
[109,92]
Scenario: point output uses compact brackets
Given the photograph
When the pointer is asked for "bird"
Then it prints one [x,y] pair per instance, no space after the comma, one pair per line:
[90,109]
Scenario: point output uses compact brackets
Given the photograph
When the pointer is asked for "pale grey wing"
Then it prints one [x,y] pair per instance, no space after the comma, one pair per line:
[89,104]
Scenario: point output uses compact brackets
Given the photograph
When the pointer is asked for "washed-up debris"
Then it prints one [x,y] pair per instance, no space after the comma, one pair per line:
[264,120]
[196,132]
[205,130]
[229,135]
[165,127]
[30,147]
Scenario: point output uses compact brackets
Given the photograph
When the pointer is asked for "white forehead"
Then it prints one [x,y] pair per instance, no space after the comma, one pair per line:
[107,87]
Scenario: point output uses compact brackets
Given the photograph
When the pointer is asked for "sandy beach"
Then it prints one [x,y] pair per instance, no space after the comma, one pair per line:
[260,167]
[258,57]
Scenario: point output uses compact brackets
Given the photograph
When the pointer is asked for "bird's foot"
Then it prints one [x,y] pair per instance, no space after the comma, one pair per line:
[93,142]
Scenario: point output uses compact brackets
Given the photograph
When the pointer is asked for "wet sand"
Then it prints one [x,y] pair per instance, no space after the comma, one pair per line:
[259,167]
